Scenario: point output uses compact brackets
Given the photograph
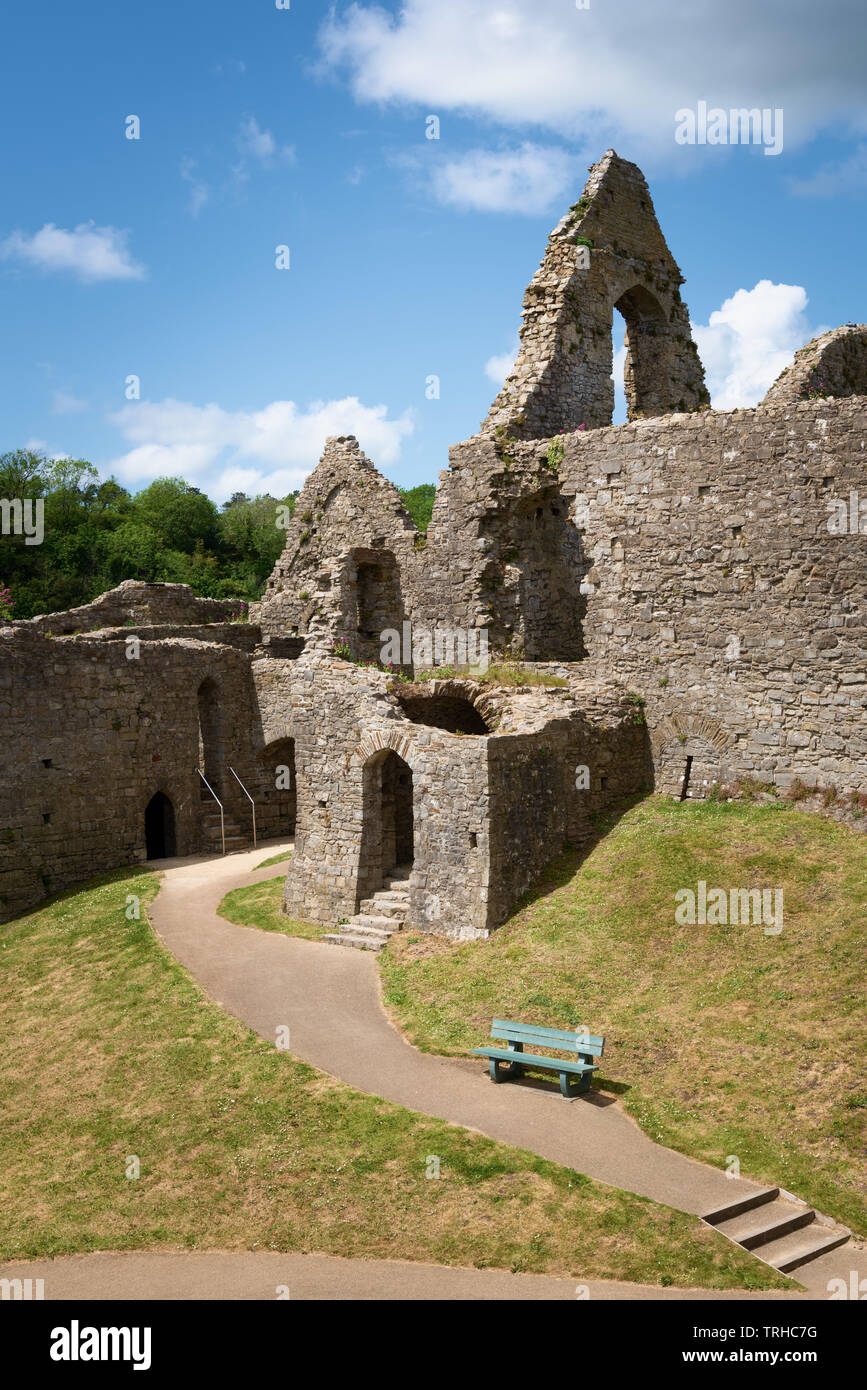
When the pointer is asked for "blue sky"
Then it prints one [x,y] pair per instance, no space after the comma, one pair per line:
[306,127]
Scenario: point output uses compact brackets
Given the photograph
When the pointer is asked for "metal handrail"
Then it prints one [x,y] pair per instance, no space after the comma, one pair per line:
[249,798]
[219,803]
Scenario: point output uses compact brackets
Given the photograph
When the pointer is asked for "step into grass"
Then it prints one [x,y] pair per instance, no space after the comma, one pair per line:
[112,1057]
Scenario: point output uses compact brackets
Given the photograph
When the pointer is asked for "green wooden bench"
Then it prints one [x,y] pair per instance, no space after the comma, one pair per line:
[519,1035]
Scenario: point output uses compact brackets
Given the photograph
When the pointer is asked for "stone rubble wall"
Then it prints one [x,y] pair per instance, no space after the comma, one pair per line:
[134,601]
[701,536]
[113,732]
[345,509]
[834,364]
[608,251]
[489,810]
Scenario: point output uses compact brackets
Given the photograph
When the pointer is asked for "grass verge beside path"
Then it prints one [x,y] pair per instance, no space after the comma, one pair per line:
[722,1041]
[276,859]
[259,906]
[111,1052]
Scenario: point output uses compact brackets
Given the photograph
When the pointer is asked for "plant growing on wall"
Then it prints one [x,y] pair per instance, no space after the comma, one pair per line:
[7,603]
[554,456]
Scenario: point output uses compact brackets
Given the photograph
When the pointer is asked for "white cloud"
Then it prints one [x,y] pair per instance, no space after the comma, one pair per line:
[844,176]
[91,253]
[523,180]
[610,73]
[256,143]
[497,368]
[64,404]
[747,343]
[200,192]
[269,450]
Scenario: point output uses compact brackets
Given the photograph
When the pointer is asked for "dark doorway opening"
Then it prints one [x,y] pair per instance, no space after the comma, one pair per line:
[379,607]
[397,831]
[160,828]
[684,791]
[387,837]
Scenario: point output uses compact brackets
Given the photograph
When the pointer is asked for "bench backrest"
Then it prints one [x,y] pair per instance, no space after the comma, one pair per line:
[558,1039]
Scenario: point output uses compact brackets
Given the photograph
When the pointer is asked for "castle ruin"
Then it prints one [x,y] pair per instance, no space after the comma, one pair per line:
[679,573]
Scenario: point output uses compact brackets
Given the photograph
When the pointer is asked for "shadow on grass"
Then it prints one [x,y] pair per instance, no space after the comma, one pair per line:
[565,866]
[126,873]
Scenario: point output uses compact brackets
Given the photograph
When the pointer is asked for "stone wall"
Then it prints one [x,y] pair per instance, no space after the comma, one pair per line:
[709,579]
[89,736]
[834,364]
[607,252]
[489,810]
[347,518]
[137,603]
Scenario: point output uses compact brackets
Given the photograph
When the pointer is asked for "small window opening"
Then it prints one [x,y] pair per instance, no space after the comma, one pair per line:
[684,793]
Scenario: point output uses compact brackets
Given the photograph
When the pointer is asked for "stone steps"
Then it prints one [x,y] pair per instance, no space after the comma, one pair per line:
[378,918]
[778,1228]
[235,837]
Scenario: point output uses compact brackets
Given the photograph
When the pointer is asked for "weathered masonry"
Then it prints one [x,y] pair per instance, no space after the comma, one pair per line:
[687,575]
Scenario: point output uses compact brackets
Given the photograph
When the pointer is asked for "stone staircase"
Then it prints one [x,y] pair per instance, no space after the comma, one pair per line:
[379,918]
[778,1228]
[235,837]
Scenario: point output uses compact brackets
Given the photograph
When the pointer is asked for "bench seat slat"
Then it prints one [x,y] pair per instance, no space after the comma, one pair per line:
[528,1059]
[557,1038]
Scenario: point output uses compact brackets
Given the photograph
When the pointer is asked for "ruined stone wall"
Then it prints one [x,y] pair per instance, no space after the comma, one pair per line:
[489,810]
[346,517]
[138,602]
[89,736]
[834,364]
[607,252]
[341,719]
[709,579]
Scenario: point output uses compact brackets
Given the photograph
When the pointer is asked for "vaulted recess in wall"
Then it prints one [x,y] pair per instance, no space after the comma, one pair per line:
[454,713]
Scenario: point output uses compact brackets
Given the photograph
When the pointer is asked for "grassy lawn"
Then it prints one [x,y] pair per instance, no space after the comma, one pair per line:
[275,859]
[109,1050]
[720,1040]
[259,906]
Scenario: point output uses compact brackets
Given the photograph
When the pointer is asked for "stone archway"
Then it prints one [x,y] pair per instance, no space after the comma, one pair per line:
[647,370]
[607,251]
[388,822]
[689,752]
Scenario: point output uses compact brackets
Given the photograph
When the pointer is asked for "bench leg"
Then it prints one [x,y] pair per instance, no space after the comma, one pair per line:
[514,1069]
[569,1090]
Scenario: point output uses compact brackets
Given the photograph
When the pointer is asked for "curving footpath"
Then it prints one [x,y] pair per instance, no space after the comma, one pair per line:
[330,1000]
[266,1275]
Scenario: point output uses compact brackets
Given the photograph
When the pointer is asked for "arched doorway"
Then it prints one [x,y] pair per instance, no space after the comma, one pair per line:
[388,829]
[160,828]
[210,736]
